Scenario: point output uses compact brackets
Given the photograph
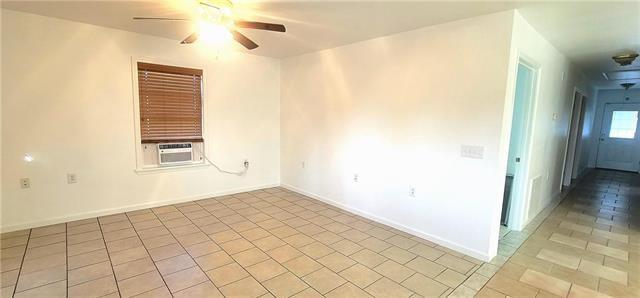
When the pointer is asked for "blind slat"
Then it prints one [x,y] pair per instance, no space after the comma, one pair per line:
[170,103]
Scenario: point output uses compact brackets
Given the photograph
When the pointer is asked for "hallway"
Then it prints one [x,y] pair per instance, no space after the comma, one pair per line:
[588,246]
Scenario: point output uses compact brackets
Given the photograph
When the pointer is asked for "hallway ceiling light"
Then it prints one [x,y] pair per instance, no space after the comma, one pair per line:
[626,86]
[625,59]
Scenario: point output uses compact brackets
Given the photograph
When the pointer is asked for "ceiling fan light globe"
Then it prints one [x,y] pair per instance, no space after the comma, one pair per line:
[213,34]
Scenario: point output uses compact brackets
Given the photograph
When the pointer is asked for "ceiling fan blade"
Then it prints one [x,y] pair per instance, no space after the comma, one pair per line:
[260,26]
[243,40]
[190,39]
[209,5]
[158,19]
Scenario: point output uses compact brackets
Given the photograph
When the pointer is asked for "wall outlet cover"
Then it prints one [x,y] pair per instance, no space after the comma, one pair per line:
[25,183]
[475,152]
[72,178]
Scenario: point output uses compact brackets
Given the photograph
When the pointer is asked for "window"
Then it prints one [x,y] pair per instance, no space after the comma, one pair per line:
[170,103]
[623,124]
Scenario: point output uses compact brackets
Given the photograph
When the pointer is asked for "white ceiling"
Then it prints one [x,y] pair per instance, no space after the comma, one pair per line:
[589,33]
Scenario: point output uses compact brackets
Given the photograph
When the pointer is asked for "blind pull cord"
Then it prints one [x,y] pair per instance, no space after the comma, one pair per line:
[239,173]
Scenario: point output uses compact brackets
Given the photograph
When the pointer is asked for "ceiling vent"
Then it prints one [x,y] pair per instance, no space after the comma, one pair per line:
[632,74]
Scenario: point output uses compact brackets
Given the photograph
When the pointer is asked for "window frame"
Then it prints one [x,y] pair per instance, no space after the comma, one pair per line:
[140,167]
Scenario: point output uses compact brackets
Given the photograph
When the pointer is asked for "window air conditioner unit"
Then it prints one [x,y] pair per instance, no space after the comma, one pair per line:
[174,153]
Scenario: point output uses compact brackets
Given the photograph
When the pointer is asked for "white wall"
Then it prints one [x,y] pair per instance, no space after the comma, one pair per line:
[395,111]
[1,124]
[605,96]
[68,101]
[556,83]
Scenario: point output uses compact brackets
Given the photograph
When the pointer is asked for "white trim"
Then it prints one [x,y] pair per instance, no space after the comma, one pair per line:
[159,169]
[436,239]
[576,97]
[109,211]
[521,190]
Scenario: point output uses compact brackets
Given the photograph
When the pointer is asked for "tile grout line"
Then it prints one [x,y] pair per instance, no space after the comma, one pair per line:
[303,253]
[391,230]
[178,242]
[148,254]
[323,266]
[66,252]
[241,236]
[356,262]
[24,255]
[270,234]
[113,272]
[315,240]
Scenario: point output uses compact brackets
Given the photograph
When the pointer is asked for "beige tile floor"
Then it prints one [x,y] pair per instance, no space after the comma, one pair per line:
[589,246]
[274,242]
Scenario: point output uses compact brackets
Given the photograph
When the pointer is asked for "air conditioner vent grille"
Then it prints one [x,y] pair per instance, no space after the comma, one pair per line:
[175,153]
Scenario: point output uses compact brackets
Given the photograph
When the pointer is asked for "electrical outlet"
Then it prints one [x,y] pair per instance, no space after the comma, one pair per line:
[72,178]
[355,177]
[412,192]
[25,183]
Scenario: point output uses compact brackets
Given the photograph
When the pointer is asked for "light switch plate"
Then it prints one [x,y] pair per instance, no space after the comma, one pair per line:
[475,152]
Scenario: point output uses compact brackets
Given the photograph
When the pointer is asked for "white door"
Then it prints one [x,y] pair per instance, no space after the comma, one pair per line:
[619,147]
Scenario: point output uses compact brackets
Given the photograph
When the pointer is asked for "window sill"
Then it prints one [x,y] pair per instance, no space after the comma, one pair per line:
[162,169]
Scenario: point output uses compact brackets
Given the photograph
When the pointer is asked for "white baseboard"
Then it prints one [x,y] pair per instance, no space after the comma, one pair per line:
[435,239]
[103,212]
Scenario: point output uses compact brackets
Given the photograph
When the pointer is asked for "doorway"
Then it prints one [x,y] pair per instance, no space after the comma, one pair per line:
[575,137]
[515,181]
[619,142]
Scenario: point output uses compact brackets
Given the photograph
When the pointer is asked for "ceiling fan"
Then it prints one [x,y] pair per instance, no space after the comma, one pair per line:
[219,13]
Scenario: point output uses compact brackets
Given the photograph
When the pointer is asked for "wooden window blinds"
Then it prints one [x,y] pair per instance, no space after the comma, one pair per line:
[170,103]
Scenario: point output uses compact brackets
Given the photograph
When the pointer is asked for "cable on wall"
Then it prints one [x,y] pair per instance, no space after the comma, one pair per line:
[238,173]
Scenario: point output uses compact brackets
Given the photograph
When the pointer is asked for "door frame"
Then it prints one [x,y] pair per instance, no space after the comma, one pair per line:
[520,190]
[601,127]
[574,136]
[581,144]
